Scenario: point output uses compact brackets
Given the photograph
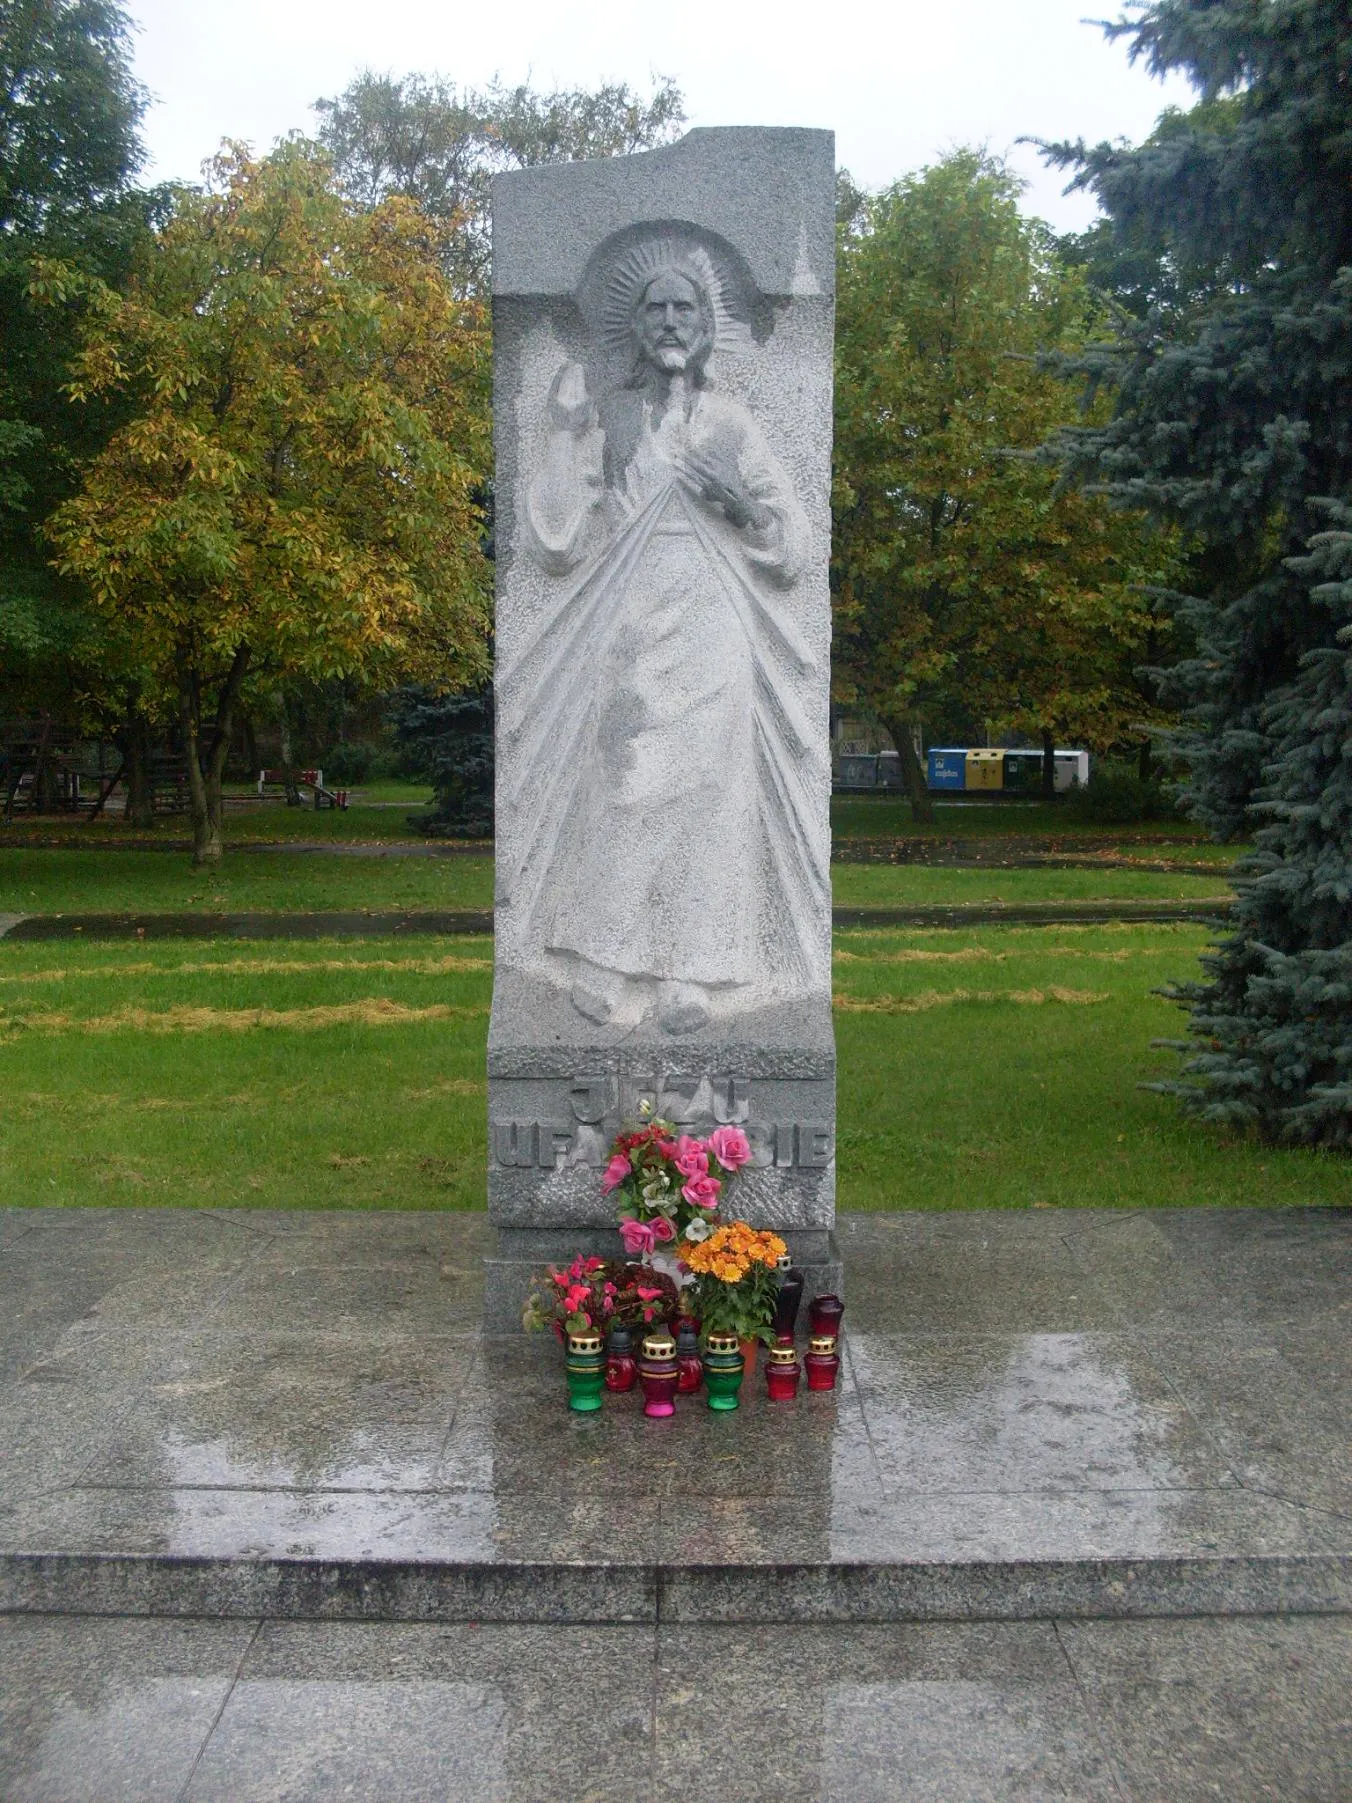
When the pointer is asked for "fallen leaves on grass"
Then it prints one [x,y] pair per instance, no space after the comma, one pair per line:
[945,998]
[418,967]
[370,1011]
[340,1163]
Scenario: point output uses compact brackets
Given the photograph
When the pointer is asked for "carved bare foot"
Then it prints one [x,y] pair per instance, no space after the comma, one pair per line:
[597,992]
[682,1007]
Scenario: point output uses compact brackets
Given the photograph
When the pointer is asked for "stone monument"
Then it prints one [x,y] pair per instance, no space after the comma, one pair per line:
[662,411]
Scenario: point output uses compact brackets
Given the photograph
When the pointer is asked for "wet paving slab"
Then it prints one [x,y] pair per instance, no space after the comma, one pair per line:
[100,1710]
[1088,1415]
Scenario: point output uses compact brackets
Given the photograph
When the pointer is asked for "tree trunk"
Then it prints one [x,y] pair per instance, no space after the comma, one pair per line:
[206,845]
[140,809]
[206,764]
[288,759]
[912,772]
[1145,763]
[1048,765]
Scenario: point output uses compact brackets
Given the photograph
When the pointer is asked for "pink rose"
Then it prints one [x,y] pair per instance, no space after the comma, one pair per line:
[730,1146]
[691,1159]
[638,1236]
[662,1229]
[702,1192]
[615,1173]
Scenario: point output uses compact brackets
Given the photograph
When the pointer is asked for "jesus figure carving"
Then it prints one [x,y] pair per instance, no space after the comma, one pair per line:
[678,872]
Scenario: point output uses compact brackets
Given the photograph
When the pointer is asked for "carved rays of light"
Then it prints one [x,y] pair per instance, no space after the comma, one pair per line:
[648,257]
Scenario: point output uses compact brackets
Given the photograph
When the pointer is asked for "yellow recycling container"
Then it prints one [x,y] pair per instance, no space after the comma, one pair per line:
[985,769]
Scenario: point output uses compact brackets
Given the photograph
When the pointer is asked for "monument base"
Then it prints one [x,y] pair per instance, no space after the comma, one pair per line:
[560,1089]
[521,1254]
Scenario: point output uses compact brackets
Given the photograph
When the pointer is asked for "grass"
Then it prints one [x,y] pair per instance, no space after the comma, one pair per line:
[144,1075]
[86,882]
[380,812]
[268,822]
[79,882]
[889,816]
[907,885]
[995,1068]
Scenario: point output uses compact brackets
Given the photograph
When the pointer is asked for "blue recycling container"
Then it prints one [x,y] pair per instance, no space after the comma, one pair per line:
[948,769]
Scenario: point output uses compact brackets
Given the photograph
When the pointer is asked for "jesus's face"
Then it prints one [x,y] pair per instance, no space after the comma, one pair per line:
[670,322]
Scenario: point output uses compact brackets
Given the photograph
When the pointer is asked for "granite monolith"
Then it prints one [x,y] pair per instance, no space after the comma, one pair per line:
[662,412]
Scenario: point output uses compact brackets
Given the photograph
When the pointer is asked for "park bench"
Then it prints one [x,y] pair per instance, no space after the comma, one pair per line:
[271,782]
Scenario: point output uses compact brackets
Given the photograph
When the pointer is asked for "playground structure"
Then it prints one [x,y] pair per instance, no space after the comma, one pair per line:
[271,782]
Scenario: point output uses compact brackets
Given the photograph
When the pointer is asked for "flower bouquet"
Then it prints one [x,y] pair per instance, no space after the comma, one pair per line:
[596,1294]
[669,1185]
[736,1286]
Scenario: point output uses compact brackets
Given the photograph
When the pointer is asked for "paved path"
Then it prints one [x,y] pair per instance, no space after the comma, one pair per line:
[277,1521]
[379,924]
[1077,1524]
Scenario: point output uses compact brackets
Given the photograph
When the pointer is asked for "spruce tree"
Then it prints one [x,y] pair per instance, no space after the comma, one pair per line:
[1234,421]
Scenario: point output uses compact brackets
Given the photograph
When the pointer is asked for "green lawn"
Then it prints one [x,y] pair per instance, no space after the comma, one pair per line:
[79,882]
[990,1068]
[86,882]
[889,816]
[270,821]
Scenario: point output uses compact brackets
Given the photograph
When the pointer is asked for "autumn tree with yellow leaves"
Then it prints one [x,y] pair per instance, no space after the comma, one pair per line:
[297,491]
[962,575]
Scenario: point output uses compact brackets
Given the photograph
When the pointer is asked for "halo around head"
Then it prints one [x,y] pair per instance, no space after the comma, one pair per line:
[620,272]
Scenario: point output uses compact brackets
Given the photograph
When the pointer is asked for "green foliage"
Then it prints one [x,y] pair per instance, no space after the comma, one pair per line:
[295,494]
[1118,795]
[1231,421]
[449,740]
[963,577]
[1271,1033]
[69,111]
[441,146]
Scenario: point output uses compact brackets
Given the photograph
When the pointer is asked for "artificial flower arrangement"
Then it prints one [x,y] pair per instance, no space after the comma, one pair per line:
[670,1186]
[736,1285]
[597,1294]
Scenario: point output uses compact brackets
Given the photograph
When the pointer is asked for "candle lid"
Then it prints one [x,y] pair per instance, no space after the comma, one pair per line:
[783,1355]
[584,1342]
[823,1343]
[659,1345]
[721,1342]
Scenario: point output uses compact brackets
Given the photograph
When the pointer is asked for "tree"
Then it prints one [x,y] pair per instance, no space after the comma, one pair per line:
[69,113]
[449,740]
[293,495]
[422,137]
[1231,421]
[961,572]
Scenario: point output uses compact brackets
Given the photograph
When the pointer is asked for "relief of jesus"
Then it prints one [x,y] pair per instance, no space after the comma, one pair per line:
[678,752]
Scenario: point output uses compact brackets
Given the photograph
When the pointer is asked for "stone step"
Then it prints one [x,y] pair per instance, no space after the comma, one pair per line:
[601,1591]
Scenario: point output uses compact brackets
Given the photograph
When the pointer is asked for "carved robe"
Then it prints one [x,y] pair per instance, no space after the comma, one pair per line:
[648,706]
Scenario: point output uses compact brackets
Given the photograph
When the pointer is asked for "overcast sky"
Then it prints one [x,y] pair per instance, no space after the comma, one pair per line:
[897,80]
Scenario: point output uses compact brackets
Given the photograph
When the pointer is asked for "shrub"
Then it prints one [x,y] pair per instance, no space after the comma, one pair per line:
[1117,795]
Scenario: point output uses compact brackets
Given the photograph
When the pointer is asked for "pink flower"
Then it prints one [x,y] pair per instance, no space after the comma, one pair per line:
[615,1173]
[638,1236]
[730,1146]
[662,1229]
[646,1295]
[577,1295]
[592,1264]
[702,1192]
[691,1159]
